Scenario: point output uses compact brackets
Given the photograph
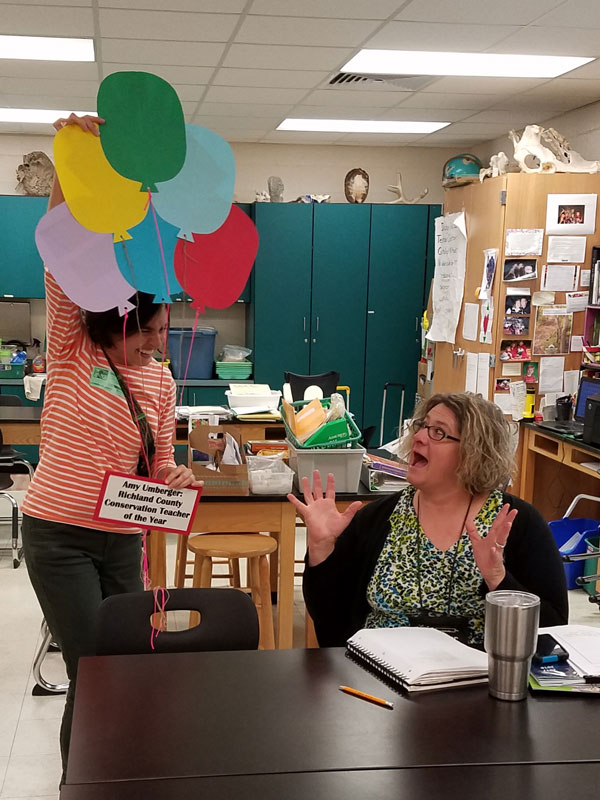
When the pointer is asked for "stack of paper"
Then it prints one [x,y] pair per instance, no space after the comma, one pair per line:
[582,642]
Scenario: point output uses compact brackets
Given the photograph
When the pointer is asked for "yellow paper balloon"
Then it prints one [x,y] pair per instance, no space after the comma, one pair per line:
[98,197]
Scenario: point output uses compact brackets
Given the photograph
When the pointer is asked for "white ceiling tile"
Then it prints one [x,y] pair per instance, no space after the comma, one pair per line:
[260,56]
[60,102]
[244,110]
[349,98]
[426,114]
[237,123]
[341,9]
[50,86]
[460,85]
[456,143]
[300,137]
[468,128]
[508,118]
[589,71]
[136,51]
[301,30]
[473,12]
[86,3]
[221,6]
[175,75]
[438,36]
[397,140]
[538,104]
[572,14]
[238,94]
[448,100]
[269,78]
[305,111]
[553,41]
[167,25]
[562,87]
[20,20]
[56,70]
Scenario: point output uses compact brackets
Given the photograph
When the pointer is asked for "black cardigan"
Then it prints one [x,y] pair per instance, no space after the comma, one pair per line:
[335,591]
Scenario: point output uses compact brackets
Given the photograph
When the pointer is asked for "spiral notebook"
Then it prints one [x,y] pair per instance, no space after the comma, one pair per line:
[418,659]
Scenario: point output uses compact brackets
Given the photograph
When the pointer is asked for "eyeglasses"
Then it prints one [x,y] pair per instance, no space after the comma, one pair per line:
[434,433]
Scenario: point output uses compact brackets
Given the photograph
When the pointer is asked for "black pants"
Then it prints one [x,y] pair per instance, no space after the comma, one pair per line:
[72,569]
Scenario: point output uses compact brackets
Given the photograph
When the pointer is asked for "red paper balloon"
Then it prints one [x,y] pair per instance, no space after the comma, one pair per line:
[214,268]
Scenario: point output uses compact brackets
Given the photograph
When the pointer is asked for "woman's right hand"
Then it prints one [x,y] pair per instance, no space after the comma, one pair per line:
[86,123]
[324,522]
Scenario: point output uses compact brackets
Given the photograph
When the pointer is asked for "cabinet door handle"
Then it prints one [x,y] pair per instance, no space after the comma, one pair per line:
[304,324]
[317,324]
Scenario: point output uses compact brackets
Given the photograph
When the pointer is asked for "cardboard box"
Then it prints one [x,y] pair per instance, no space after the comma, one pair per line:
[220,478]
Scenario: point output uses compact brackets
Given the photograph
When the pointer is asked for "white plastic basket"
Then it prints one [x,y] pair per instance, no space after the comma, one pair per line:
[344,463]
[269,475]
[270,401]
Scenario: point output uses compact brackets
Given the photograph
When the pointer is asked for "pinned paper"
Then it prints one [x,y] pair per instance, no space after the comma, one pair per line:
[518,396]
[564,249]
[470,320]
[551,374]
[471,373]
[144,133]
[584,277]
[524,242]
[511,370]
[199,197]
[483,374]
[577,301]
[214,267]
[576,344]
[560,277]
[449,276]
[98,197]
[504,402]
[490,259]
[82,262]
[487,317]
[542,299]
[571,381]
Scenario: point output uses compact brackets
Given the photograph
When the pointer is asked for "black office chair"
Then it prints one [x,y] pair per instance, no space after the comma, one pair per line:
[228,621]
[326,381]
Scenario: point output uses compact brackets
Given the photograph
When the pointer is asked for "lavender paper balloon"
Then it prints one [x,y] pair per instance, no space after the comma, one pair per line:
[198,199]
[82,262]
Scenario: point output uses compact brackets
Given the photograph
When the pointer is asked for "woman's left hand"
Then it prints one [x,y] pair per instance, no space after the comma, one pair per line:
[180,477]
[488,550]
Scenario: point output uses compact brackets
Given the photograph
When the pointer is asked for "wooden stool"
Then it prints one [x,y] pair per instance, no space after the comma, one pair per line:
[181,564]
[233,546]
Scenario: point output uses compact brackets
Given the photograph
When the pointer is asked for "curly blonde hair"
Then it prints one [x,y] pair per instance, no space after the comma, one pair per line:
[486,450]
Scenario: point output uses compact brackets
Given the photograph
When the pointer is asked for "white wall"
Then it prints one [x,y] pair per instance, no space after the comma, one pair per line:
[304,169]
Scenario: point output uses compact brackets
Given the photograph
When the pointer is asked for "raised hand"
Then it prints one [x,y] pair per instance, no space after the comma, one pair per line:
[324,522]
[86,123]
[488,551]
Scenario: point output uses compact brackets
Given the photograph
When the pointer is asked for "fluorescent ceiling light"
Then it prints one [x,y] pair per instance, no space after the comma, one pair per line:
[360,126]
[46,48]
[418,62]
[36,114]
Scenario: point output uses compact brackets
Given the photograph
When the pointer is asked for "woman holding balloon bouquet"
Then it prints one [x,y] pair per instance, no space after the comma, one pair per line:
[108,406]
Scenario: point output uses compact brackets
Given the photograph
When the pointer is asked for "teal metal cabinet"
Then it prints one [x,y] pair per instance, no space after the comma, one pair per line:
[246,295]
[21,269]
[395,301]
[340,269]
[279,317]
[19,391]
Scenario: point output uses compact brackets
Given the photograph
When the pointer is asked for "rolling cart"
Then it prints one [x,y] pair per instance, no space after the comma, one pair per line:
[576,559]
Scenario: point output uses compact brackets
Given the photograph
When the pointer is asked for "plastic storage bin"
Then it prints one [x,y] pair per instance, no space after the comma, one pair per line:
[202,357]
[562,530]
[269,475]
[344,463]
[591,566]
[267,401]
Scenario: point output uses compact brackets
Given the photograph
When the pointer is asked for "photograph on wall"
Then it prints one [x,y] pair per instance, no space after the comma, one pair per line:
[515,350]
[571,213]
[502,385]
[516,326]
[518,304]
[530,371]
[490,259]
[519,269]
[553,328]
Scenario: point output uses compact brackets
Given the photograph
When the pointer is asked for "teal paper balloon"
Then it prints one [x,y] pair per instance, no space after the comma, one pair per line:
[140,258]
[143,136]
[198,199]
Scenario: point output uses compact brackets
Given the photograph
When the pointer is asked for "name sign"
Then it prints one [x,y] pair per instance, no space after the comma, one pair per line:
[146,503]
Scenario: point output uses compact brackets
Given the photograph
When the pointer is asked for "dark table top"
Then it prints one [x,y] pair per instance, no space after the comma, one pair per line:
[20,413]
[253,712]
[522,782]
[362,494]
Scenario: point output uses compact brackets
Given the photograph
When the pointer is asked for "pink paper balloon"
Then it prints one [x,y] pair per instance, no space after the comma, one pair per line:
[214,267]
[83,262]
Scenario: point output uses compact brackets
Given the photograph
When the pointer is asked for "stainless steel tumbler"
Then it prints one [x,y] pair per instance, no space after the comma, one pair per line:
[511,626]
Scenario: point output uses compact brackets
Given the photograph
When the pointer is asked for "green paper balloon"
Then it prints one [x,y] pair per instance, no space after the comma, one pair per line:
[143,136]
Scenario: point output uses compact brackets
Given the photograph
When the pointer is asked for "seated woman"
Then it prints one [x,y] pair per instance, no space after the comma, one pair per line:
[428,555]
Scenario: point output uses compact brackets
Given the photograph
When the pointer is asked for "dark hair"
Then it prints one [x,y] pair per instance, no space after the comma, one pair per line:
[104,327]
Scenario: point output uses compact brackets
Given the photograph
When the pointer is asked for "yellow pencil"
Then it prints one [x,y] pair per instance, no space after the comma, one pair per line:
[370,697]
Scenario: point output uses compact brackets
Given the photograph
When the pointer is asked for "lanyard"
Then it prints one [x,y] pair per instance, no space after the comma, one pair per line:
[454,560]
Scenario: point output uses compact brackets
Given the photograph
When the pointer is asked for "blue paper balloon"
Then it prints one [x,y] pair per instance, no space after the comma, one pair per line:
[140,260]
[198,199]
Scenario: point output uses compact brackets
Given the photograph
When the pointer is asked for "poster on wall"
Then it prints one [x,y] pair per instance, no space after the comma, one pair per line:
[490,259]
[571,213]
[552,334]
[449,276]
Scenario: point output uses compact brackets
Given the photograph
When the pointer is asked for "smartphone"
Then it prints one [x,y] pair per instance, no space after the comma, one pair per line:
[548,650]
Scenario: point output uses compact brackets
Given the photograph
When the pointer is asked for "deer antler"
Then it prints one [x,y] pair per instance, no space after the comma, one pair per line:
[397,189]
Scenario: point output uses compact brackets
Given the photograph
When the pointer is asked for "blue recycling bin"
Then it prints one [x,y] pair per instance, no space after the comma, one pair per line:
[562,530]
[202,356]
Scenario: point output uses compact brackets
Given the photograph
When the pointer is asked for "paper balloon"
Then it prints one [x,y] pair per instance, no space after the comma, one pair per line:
[98,197]
[143,136]
[199,197]
[144,259]
[214,267]
[83,262]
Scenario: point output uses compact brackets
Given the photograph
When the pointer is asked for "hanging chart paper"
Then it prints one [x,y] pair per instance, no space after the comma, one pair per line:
[449,276]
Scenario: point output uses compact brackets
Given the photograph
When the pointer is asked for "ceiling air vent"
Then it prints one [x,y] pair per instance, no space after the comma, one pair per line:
[406,83]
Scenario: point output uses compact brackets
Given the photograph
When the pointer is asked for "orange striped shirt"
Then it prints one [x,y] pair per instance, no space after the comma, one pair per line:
[87,429]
